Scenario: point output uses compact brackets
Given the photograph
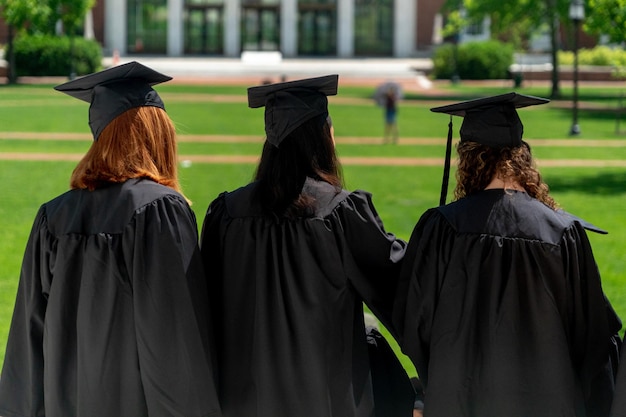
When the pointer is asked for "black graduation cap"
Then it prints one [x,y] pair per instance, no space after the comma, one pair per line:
[289,104]
[491,121]
[113,91]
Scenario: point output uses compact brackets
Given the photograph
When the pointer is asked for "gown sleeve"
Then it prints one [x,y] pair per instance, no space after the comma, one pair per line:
[416,300]
[211,253]
[209,241]
[171,311]
[22,374]
[618,407]
[594,324]
[377,255]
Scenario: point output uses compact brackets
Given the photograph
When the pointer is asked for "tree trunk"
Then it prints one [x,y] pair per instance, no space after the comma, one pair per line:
[11,75]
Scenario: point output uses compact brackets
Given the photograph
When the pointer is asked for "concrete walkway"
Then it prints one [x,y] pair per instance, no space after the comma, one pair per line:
[409,72]
[271,65]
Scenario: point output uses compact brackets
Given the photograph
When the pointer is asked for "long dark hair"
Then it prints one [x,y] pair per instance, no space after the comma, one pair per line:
[308,151]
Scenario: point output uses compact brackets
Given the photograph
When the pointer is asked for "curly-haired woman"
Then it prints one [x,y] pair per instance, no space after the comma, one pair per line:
[500,304]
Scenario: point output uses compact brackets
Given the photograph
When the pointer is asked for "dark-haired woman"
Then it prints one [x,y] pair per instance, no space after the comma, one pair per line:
[500,303]
[291,257]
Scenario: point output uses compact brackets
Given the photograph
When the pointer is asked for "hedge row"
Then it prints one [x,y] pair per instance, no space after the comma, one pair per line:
[603,56]
[45,55]
[480,60]
[491,60]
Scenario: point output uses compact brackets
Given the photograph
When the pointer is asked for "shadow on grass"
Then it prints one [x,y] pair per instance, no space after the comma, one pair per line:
[599,112]
[603,183]
[451,97]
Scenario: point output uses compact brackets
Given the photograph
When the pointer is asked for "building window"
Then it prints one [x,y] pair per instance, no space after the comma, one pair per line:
[147,26]
[260,25]
[204,27]
[373,27]
[317,27]
[474,29]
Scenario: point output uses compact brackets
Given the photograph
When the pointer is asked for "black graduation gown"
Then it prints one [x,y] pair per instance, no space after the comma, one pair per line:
[111,316]
[502,311]
[618,408]
[288,296]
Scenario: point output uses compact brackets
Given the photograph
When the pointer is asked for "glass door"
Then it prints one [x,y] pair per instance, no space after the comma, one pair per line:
[317,29]
[204,29]
[373,28]
[147,26]
[260,28]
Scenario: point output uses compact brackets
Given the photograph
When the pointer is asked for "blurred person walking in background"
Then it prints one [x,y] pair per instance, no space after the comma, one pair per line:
[387,96]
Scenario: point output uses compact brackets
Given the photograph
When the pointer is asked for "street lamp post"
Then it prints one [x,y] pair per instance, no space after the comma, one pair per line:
[455,57]
[576,14]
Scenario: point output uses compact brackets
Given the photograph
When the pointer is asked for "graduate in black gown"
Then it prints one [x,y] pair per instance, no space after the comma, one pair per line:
[500,303]
[111,316]
[290,258]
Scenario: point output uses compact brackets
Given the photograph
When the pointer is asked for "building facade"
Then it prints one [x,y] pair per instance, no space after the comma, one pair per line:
[295,28]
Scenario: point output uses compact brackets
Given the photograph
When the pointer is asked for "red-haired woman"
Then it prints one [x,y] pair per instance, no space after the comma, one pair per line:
[111,317]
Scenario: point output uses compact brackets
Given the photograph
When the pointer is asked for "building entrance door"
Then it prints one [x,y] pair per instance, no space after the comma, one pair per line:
[146,26]
[260,28]
[204,29]
[373,27]
[317,29]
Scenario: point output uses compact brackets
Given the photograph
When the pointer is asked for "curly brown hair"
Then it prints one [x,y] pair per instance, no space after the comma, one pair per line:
[480,164]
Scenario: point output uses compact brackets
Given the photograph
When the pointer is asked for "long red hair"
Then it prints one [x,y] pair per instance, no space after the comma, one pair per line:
[139,143]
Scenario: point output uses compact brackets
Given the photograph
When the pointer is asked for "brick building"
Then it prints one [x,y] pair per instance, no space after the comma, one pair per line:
[328,28]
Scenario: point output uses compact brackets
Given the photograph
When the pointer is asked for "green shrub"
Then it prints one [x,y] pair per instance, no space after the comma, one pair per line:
[45,55]
[444,61]
[483,60]
[598,56]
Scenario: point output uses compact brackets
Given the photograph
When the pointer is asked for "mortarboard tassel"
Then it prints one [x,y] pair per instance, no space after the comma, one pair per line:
[446,167]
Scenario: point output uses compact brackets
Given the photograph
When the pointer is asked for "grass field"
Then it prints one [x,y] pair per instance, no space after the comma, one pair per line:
[587,175]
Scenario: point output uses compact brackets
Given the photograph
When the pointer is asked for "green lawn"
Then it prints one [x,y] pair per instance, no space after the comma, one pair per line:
[401,193]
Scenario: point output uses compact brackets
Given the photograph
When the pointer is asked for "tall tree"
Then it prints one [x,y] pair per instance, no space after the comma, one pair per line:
[25,14]
[607,17]
[37,16]
[71,13]
[512,19]
[21,15]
